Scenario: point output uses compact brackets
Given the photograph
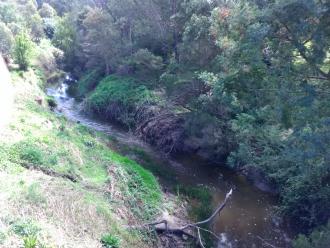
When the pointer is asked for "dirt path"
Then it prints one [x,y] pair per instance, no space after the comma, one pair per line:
[6,94]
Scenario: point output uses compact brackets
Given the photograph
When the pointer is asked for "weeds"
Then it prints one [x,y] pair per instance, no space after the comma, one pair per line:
[200,199]
[110,241]
[34,194]
[201,208]
[30,242]
[2,237]
[25,228]
[29,154]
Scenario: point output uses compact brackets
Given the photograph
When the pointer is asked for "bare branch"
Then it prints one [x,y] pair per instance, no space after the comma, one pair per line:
[200,238]
[218,210]
[266,243]
[180,231]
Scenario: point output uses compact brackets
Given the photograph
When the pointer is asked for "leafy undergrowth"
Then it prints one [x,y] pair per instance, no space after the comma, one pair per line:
[61,186]
[85,85]
[118,98]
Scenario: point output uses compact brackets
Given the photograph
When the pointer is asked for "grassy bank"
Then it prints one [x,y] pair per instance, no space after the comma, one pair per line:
[61,185]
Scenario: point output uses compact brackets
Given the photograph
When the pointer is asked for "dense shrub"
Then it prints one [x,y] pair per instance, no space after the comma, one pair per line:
[6,39]
[47,11]
[146,65]
[23,50]
[85,85]
[118,98]
[46,59]
[110,241]
[320,238]
[25,228]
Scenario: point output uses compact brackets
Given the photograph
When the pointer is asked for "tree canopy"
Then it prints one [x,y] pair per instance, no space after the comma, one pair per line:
[244,82]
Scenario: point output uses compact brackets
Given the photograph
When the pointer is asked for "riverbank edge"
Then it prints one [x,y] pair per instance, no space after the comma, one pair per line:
[155,124]
[45,130]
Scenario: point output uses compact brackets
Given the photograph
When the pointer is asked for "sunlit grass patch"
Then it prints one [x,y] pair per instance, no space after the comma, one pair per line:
[40,155]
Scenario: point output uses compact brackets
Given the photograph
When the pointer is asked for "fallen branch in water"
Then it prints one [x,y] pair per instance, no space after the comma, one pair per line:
[181,231]
[266,243]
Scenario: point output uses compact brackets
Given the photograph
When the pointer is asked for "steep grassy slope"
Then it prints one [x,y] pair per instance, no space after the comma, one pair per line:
[6,94]
[61,184]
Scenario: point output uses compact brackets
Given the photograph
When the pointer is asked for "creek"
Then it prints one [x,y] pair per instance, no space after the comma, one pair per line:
[247,221]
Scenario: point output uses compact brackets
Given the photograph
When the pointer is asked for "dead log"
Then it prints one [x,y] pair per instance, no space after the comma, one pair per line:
[191,230]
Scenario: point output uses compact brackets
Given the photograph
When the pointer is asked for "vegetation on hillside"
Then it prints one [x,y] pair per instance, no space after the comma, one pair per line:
[119,99]
[240,81]
[83,185]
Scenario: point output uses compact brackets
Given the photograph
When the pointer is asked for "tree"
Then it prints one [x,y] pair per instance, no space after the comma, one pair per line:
[6,39]
[47,11]
[319,238]
[65,38]
[36,27]
[102,43]
[23,50]
[8,12]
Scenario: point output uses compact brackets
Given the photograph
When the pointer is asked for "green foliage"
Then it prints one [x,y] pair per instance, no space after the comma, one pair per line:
[2,237]
[202,208]
[61,6]
[110,241]
[25,228]
[36,27]
[319,238]
[46,58]
[34,194]
[106,52]
[251,78]
[6,39]
[51,102]
[47,11]
[29,153]
[146,65]
[303,173]
[65,149]
[64,37]
[8,12]
[143,189]
[118,98]
[30,242]
[85,85]
[23,51]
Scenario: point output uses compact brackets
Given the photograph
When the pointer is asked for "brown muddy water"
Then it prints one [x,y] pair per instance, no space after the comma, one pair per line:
[248,220]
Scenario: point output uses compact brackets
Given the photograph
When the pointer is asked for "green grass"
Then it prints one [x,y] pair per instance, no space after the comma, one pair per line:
[110,241]
[40,140]
[200,207]
[152,164]
[25,228]
[142,184]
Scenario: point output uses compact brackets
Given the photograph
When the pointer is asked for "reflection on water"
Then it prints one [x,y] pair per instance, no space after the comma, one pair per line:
[248,219]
